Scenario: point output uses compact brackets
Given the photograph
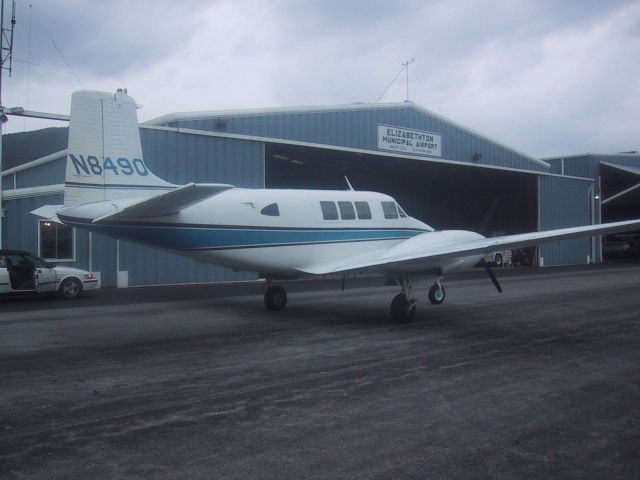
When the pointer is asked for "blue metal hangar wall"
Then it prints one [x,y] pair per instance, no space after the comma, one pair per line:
[440,172]
[616,180]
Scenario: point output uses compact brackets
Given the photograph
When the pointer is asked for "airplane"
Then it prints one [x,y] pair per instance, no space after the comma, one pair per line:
[277,233]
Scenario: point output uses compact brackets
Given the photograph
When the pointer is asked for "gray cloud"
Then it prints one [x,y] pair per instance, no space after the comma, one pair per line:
[547,77]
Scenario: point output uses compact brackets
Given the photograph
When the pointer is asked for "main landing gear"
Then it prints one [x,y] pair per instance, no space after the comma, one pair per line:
[403,306]
[275,297]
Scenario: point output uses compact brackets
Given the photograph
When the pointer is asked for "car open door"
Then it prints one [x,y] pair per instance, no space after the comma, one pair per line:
[47,280]
[5,286]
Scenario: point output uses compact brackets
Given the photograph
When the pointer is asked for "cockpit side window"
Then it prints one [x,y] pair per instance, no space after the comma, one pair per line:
[389,209]
[401,211]
[329,210]
[271,210]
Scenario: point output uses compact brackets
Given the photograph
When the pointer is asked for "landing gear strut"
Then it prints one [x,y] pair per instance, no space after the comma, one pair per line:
[403,307]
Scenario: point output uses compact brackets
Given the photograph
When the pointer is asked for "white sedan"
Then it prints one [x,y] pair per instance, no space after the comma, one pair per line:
[23,272]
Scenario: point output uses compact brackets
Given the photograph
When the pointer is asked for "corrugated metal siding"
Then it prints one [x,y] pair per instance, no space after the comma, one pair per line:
[50,173]
[21,228]
[626,160]
[585,166]
[7,182]
[564,202]
[556,165]
[103,251]
[358,129]
[149,266]
[183,158]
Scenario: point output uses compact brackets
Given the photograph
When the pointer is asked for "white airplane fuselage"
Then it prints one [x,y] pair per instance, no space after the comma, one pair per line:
[237,229]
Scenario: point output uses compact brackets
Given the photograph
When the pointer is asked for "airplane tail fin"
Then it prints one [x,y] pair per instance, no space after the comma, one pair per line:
[104,159]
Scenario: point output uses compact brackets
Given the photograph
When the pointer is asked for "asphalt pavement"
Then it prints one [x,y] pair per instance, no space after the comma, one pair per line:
[541,381]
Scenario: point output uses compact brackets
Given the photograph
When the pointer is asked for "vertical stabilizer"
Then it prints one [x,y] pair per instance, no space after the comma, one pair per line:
[104,160]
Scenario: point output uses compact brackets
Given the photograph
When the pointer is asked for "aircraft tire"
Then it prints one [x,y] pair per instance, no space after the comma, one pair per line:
[402,311]
[437,295]
[498,260]
[275,298]
[70,288]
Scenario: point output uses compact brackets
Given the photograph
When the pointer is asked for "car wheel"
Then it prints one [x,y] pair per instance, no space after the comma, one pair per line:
[70,288]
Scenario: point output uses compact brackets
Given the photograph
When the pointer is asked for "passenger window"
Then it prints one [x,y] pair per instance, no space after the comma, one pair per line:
[400,211]
[272,210]
[363,210]
[346,211]
[329,210]
[389,209]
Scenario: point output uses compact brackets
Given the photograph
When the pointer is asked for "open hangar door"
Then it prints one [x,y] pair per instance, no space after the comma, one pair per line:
[446,196]
[620,192]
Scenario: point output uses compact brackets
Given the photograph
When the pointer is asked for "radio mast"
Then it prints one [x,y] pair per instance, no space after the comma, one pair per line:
[7,25]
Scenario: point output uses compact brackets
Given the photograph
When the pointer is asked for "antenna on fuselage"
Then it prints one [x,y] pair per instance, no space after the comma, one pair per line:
[349,184]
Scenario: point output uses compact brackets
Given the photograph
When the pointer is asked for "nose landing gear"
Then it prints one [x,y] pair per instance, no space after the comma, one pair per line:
[436,293]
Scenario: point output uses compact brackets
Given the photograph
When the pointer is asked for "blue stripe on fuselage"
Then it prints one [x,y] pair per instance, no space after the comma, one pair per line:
[224,238]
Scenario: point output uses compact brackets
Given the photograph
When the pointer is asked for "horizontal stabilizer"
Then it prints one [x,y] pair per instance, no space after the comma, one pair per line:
[167,203]
[48,212]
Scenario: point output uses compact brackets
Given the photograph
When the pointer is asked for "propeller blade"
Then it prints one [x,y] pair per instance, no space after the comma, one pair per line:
[492,275]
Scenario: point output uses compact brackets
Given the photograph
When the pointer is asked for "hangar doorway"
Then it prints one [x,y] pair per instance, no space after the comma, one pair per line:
[620,191]
[445,196]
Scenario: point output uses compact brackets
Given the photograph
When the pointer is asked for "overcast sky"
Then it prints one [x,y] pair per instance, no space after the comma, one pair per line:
[547,77]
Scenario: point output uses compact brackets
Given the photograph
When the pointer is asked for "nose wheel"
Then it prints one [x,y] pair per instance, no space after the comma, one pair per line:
[436,294]
[275,298]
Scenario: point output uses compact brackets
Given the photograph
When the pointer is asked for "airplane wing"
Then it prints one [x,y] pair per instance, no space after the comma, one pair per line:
[416,258]
[167,203]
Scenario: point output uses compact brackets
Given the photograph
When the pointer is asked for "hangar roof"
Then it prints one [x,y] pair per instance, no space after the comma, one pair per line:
[353,126]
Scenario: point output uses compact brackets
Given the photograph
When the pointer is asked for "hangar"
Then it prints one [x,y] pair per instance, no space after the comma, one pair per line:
[440,172]
[617,185]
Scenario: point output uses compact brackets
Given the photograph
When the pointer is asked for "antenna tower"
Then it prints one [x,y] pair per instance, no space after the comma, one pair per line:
[7,25]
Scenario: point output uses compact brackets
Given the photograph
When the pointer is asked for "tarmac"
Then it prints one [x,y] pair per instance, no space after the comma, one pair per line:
[541,381]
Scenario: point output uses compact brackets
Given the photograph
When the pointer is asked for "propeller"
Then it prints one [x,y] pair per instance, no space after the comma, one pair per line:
[492,275]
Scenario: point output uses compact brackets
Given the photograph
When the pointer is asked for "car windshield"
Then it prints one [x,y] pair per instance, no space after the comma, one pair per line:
[37,261]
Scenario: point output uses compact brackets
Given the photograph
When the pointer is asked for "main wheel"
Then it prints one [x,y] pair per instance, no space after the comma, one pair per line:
[498,260]
[70,288]
[436,294]
[275,298]
[402,310]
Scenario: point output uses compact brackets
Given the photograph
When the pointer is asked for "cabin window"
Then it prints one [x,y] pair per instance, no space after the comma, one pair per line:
[346,211]
[363,210]
[272,210]
[389,209]
[401,212]
[329,210]
[56,241]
